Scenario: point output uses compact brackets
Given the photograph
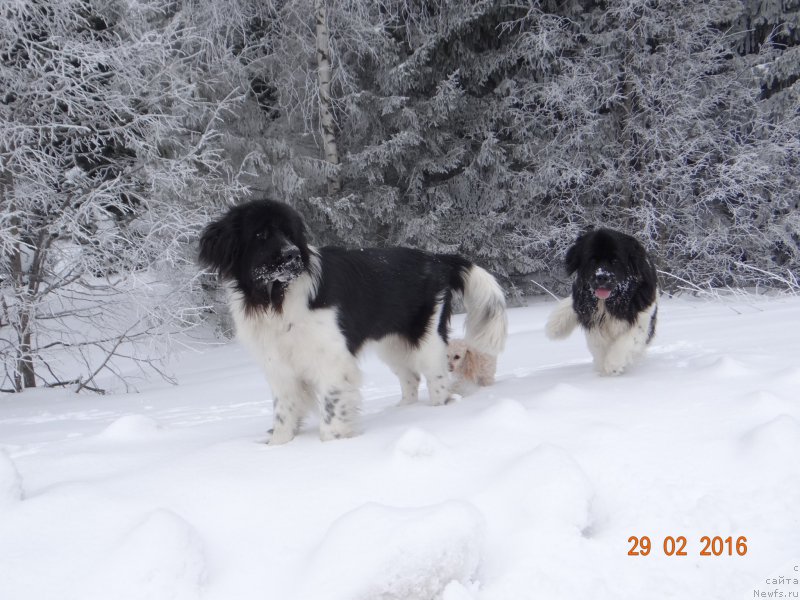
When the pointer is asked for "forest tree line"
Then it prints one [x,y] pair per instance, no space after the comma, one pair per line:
[497,130]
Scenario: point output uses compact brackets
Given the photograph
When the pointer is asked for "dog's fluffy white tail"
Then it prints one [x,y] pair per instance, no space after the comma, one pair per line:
[561,321]
[485,303]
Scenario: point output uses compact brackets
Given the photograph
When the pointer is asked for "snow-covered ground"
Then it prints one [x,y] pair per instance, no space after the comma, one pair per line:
[528,489]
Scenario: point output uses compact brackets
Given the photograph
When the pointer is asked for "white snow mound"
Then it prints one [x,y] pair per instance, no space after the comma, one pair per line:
[507,414]
[130,428]
[162,558]
[544,488]
[778,437]
[418,444]
[726,367]
[378,552]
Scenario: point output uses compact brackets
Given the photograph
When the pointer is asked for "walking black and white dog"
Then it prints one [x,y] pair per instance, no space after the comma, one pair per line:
[306,313]
[614,299]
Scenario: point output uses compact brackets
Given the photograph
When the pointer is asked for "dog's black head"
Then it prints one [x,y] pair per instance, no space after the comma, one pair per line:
[260,246]
[615,267]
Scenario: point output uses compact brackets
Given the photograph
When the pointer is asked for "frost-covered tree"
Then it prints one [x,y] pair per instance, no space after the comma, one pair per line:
[423,161]
[107,155]
[502,130]
[646,120]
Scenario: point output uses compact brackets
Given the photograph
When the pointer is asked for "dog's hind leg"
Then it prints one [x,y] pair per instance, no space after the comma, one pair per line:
[396,353]
[409,383]
[432,359]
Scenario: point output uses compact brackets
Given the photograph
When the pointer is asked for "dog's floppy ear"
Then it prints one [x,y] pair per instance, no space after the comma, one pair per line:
[643,269]
[639,262]
[218,246]
[297,234]
[572,261]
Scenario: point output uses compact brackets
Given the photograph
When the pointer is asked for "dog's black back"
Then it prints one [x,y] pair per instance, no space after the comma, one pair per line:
[614,260]
[397,288]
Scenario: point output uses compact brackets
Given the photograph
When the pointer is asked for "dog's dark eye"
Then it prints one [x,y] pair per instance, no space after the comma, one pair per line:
[457,356]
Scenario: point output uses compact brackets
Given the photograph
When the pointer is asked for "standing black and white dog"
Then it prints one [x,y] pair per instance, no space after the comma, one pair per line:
[614,299]
[306,313]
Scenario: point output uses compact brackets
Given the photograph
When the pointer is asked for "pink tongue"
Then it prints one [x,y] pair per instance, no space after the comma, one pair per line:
[602,293]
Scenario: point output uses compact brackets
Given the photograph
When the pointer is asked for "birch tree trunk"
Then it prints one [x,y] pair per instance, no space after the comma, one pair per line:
[325,108]
[19,320]
[24,375]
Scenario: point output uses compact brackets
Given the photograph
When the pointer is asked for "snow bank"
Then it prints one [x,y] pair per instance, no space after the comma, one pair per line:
[378,552]
[528,489]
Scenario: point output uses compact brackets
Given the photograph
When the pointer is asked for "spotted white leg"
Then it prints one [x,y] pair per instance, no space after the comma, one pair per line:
[432,358]
[290,404]
[339,411]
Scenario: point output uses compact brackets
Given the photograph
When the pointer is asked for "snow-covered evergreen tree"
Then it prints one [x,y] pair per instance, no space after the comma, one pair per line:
[501,133]
[424,161]
[651,123]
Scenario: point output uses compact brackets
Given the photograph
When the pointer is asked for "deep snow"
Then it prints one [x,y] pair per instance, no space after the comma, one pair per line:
[528,489]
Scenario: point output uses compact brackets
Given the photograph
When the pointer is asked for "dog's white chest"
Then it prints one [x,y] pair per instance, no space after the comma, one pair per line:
[297,340]
[605,325]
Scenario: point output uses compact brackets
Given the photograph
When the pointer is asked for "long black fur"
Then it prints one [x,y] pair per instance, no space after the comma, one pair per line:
[376,292]
[628,272]
[388,291]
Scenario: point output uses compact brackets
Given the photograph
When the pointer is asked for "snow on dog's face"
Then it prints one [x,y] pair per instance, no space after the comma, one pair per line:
[260,246]
[607,262]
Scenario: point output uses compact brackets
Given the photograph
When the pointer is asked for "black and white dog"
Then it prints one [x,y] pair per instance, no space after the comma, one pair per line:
[306,313]
[614,299]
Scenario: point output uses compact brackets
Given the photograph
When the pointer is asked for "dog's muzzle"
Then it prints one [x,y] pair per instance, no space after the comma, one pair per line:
[289,269]
[603,284]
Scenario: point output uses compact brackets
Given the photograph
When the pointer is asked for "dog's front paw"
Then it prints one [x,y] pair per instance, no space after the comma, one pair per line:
[279,437]
[611,368]
[337,432]
[279,440]
[454,398]
[446,400]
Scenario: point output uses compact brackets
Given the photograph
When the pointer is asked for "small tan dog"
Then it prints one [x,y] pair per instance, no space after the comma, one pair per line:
[469,365]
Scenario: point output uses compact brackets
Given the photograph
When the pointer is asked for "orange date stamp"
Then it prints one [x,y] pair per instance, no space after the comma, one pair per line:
[676,546]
